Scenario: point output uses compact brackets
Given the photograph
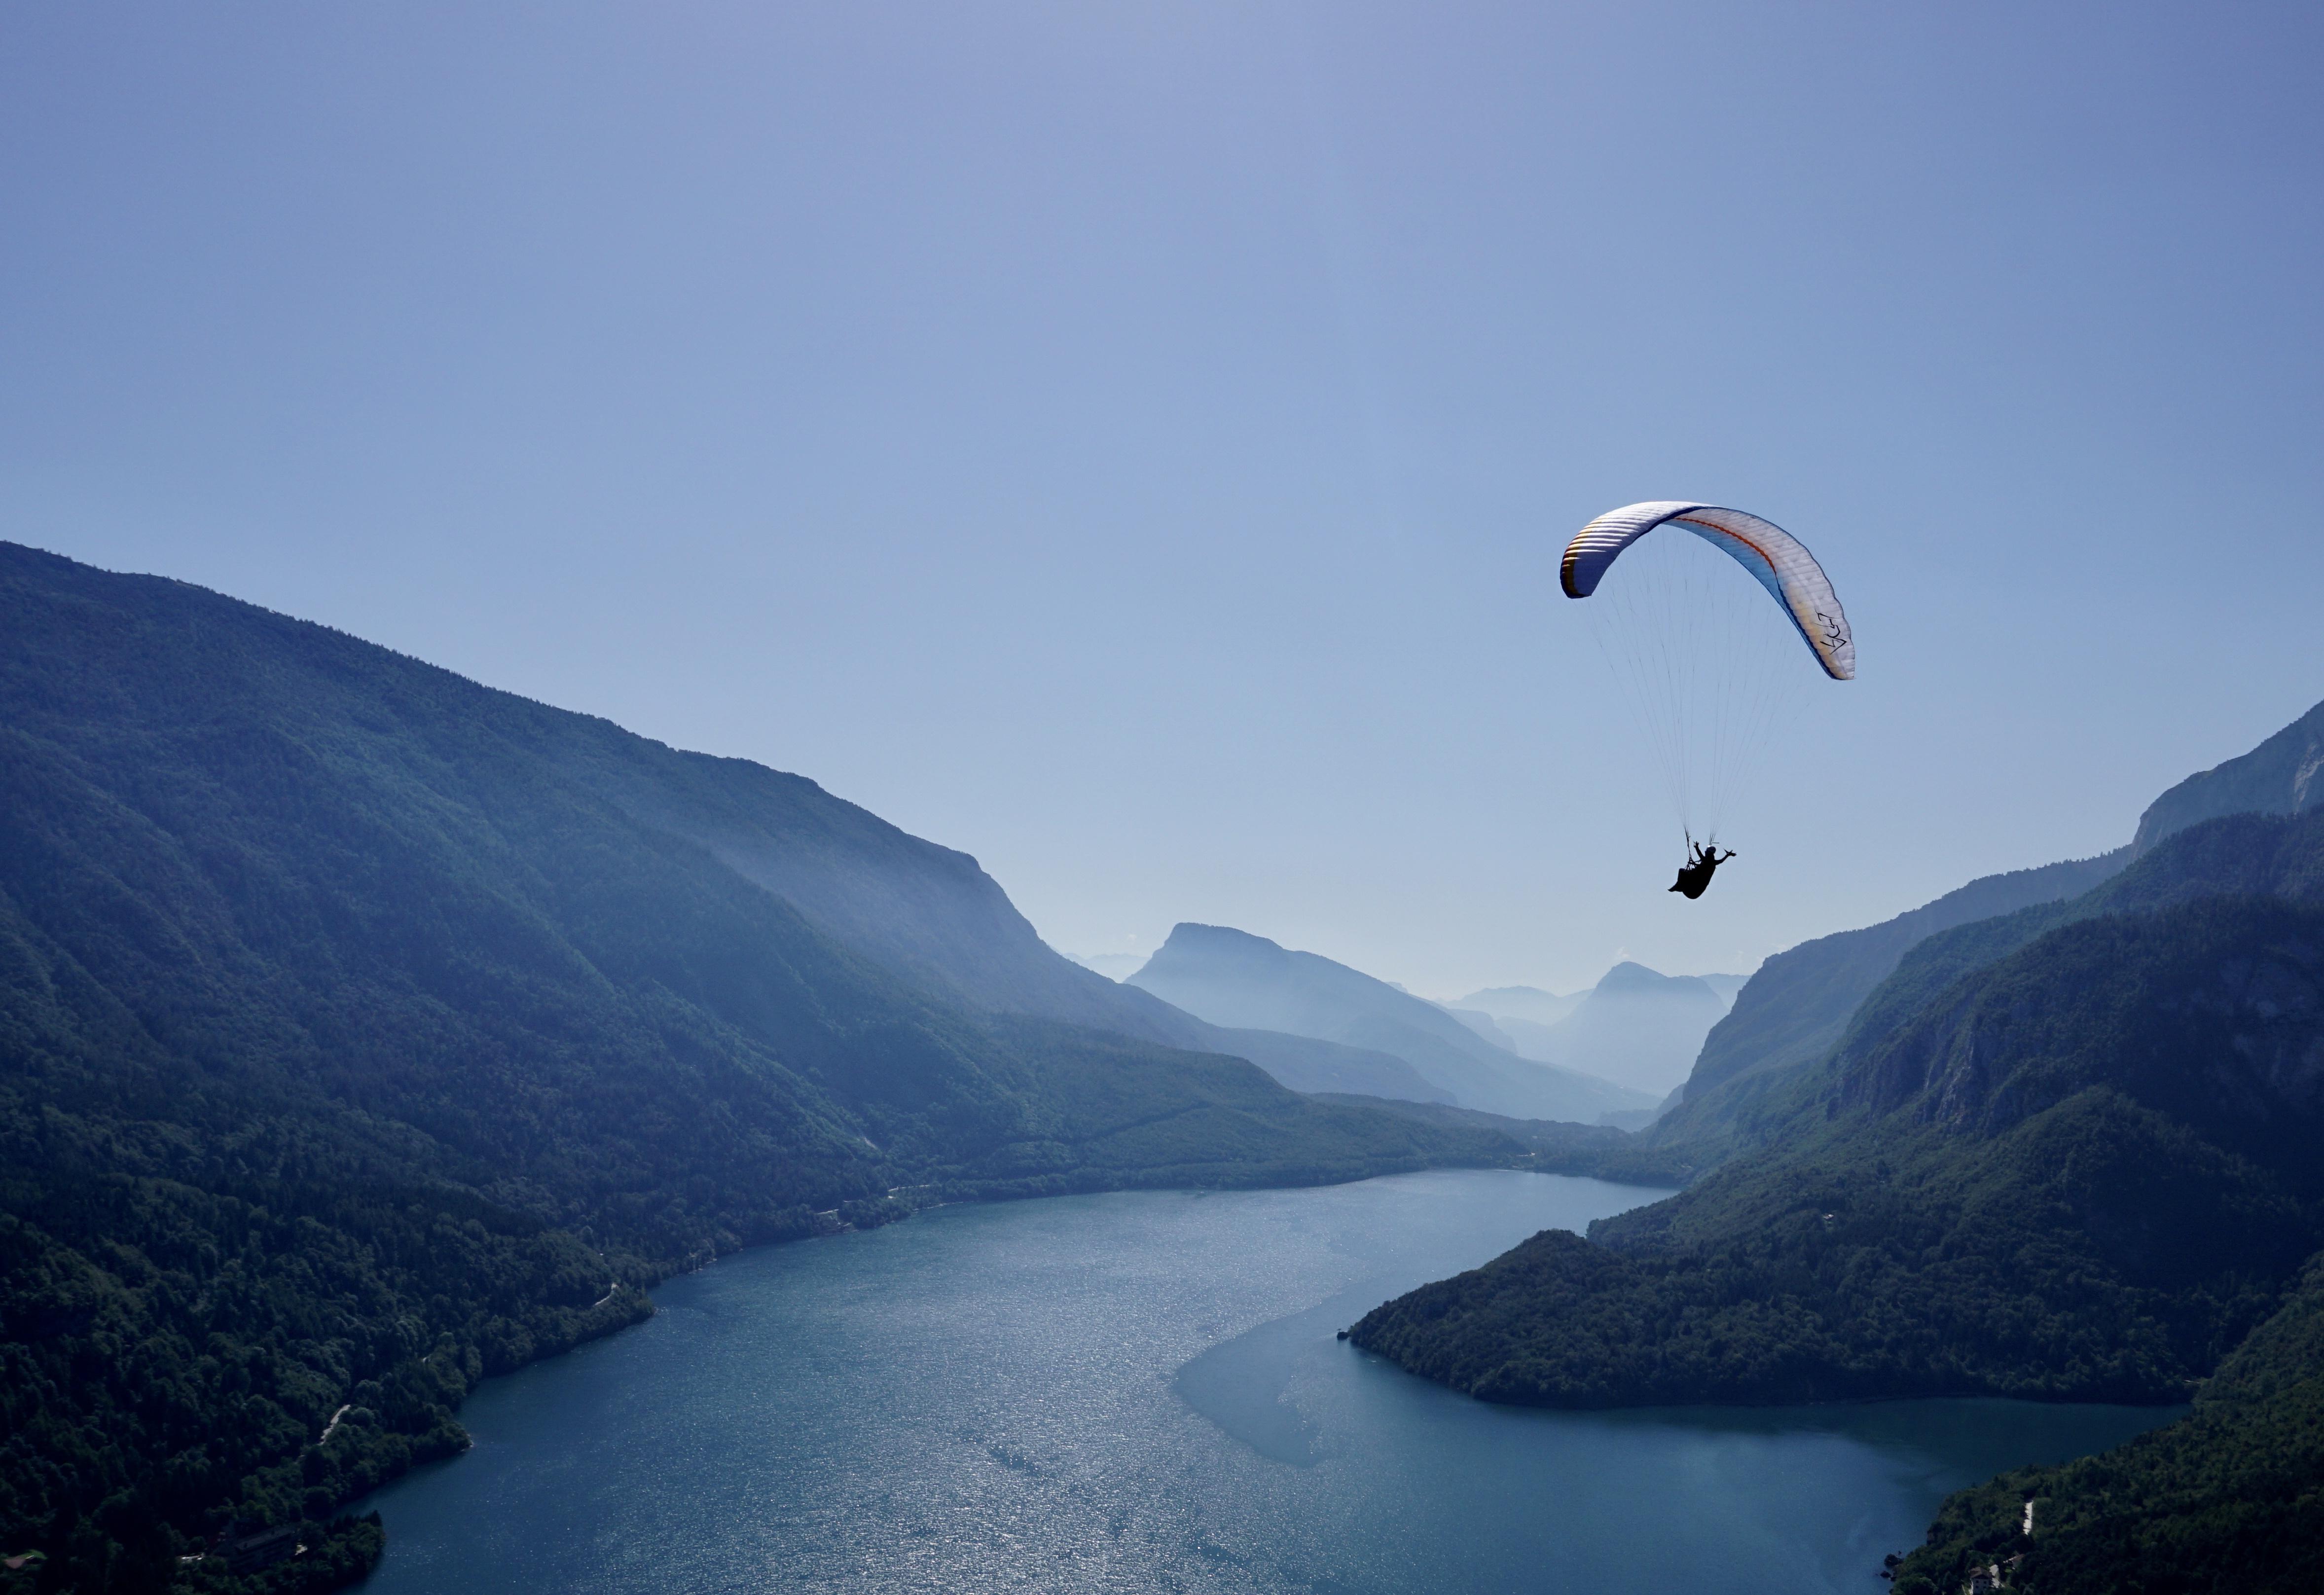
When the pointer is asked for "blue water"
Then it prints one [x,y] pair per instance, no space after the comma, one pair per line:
[1142,1392]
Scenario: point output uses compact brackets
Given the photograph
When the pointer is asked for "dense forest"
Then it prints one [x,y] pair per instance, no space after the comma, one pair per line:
[2228,1502]
[363,1032]
[1798,1004]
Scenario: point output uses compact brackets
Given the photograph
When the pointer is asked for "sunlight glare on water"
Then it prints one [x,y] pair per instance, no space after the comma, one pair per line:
[1142,1392]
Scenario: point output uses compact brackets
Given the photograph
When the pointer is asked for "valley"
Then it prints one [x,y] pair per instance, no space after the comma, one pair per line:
[370,1034]
[1189,1423]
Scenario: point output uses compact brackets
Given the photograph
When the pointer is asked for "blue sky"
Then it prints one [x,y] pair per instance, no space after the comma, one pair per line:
[1133,443]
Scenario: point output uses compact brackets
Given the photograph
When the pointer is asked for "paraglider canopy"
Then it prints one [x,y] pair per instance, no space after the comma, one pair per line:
[1779,560]
[1712,675]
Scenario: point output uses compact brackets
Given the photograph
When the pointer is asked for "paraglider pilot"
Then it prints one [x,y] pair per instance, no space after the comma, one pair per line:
[1695,878]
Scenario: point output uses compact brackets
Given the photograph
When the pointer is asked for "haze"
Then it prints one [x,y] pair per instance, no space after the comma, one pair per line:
[1133,444]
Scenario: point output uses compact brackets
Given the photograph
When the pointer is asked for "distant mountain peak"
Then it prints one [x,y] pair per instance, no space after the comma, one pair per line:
[1629,973]
[1191,936]
[1232,978]
[1509,993]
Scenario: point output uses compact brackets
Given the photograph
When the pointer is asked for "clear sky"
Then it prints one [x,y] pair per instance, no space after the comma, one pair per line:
[1132,443]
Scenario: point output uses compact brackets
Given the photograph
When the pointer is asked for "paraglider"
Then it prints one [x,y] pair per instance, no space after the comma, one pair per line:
[1695,875]
[1710,673]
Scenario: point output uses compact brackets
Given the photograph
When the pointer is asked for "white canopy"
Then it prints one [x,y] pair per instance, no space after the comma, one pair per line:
[1778,559]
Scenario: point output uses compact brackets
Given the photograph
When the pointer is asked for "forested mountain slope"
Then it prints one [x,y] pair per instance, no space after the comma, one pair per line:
[363,1031]
[1305,1063]
[1795,1009]
[2080,1168]
[2230,1501]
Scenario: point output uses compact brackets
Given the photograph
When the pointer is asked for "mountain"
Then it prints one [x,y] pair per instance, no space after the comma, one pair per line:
[1796,1008]
[1305,1063]
[1114,966]
[1244,981]
[1529,1004]
[1725,986]
[1483,1024]
[364,1031]
[2071,1156]
[2231,1500]
[1552,1147]
[2282,775]
[1635,1028]
[2073,1150]
[1526,1038]
[924,913]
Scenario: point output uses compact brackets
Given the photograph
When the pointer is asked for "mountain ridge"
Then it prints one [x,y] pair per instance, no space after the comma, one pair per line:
[2071,1153]
[2284,775]
[364,1031]
[2036,1129]
[1800,1002]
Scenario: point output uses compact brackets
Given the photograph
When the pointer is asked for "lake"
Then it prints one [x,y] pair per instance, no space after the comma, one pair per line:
[1143,1392]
